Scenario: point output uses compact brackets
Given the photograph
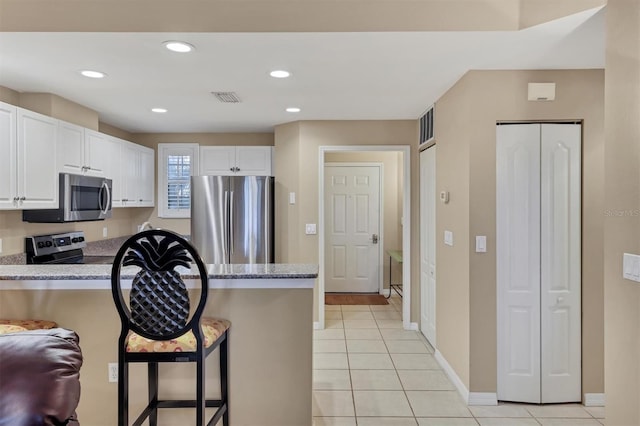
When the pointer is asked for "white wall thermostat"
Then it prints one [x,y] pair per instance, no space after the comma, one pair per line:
[444,196]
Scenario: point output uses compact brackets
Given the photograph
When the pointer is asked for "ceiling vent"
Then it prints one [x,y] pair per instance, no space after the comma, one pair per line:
[227,97]
[426,126]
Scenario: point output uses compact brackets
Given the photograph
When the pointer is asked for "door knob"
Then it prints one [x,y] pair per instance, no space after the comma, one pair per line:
[374,238]
[560,299]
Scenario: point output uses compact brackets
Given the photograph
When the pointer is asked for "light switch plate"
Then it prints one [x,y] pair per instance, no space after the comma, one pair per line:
[481,244]
[631,267]
[0,245]
[448,238]
[292,198]
[310,229]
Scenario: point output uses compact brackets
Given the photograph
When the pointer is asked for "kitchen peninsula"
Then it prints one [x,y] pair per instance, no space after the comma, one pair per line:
[270,307]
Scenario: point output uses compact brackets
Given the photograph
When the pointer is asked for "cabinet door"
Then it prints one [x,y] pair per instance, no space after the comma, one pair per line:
[217,160]
[37,169]
[7,156]
[130,173]
[146,177]
[253,160]
[113,169]
[96,153]
[70,148]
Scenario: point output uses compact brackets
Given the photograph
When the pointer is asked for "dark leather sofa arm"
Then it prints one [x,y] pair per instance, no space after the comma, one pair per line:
[39,378]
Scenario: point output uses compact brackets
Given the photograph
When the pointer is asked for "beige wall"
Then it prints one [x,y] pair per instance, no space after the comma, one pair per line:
[391,204]
[534,12]
[303,140]
[621,207]
[9,96]
[269,344]
[465,132]
[60,108]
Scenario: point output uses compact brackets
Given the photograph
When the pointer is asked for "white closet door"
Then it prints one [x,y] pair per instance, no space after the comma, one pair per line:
[560,262]
[428,244]
[518,262]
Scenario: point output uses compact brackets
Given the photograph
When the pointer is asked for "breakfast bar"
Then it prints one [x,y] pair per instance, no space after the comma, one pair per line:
[270,307]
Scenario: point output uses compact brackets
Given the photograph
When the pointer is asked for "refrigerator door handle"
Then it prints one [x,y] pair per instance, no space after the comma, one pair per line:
[227,226]
[231,224]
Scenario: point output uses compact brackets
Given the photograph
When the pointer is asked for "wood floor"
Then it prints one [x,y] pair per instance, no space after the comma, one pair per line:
[354,299]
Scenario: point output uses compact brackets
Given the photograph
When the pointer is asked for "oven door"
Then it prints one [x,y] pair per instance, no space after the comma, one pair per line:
[86,198]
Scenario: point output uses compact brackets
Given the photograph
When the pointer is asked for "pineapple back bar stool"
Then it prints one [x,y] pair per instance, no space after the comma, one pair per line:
[159,326]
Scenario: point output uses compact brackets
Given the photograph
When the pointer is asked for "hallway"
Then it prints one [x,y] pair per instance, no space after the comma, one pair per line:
[368,371]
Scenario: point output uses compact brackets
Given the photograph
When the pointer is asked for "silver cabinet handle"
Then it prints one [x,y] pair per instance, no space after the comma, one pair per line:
[23,198]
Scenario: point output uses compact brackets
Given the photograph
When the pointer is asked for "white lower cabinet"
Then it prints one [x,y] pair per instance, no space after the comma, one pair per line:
[28,176]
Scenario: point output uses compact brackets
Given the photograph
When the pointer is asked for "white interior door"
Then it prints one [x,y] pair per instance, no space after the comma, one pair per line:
[538,262]
[560,263]
[428,244]
[352,217]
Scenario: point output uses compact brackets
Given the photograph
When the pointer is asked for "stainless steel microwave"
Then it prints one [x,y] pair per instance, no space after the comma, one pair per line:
[81,198]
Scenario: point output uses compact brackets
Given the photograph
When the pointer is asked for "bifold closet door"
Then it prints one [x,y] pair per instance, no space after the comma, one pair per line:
[538,262]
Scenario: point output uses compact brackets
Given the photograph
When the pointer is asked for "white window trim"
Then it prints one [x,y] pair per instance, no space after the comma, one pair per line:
[164,150]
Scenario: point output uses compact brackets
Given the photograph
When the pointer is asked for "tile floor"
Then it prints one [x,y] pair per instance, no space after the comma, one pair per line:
[368,371]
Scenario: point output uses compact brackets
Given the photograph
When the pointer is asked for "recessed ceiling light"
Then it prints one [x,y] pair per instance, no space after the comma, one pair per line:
[93,74]
[280,74]
[178,46]
[293,109]
[159,110]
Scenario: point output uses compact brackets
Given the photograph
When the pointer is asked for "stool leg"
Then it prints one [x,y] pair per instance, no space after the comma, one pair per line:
[152,382]
[200,401]
[123,393]
[224,378]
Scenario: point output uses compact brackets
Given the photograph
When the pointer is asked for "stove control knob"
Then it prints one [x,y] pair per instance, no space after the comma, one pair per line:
[81,239]
[75,240]
[40,244]
[48,243]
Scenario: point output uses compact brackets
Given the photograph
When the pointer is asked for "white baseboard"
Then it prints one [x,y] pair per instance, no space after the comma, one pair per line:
[316,325]
[594,400]
[482,398]
[413,326]
[460,387]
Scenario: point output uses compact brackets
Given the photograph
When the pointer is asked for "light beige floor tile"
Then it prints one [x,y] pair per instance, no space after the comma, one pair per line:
[565,410]
[370,362]
[335,361]
[362,333]
[366,346]
[357,315]
[506,421]
[331,380]
[329,333]
[425,380]
[389,323]
[568,422]
[441,421]
[387,315]
[597,412]
[415,362]
[351,308]
[332,403]
[407,347]
[332,308]
[381,404]
[370,323]
[333,314]
[437,404]
[334,421]
[326,345]
[375,380]
[395,334]
[386,421]
[387,308]
[333,323]
[501,410]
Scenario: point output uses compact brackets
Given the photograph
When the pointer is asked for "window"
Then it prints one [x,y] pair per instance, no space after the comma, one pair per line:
[177,163]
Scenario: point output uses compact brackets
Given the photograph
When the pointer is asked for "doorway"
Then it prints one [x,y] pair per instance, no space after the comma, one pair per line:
[402,197]
[428,244]
[353,219]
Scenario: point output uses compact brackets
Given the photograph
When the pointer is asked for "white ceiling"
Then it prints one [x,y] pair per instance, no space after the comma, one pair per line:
[335,76]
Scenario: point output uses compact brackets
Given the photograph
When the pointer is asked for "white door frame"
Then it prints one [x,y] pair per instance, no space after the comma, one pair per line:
[406,228]
[380,244]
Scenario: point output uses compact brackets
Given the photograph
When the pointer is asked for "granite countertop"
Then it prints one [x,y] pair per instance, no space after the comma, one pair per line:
[103,272]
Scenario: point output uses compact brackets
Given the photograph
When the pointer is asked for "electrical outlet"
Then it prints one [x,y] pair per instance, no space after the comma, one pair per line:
[0,245]
[113,372]
[105,232]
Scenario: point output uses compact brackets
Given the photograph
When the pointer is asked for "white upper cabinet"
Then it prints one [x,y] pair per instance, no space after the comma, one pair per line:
[113,168]
[81,151]
[236,160]
[138,175]
[37,175]
[8,140]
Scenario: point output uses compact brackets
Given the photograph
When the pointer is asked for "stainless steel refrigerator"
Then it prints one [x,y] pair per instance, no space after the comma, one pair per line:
[232,218]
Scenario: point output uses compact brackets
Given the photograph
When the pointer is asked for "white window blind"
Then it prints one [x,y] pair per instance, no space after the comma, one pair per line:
[177,163]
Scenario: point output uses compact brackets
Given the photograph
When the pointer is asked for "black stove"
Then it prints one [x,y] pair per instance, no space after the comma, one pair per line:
[62,248]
